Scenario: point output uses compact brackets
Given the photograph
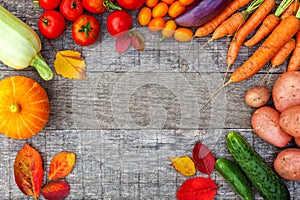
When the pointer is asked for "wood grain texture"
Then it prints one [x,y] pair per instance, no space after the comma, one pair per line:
[134,111]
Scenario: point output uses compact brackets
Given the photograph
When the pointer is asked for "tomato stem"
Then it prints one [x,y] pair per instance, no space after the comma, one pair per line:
[86,29]
[110,6]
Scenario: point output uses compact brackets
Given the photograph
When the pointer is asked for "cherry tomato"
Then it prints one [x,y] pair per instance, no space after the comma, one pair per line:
[99,6]
[169,29]
[160,10]
[118,22]
[186,2]
[156,24]
[51,24]
[85,30]
[151,3]
[49,4]
[175,9]
[131,4]
[144,16]
[183,34]
[169,2]
[71,9]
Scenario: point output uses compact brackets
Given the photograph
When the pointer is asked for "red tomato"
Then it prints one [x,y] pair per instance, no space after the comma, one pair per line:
[85,30]
[118,22]
[51,24]
[131,4]
[98,6]
[49,4]
[71,9]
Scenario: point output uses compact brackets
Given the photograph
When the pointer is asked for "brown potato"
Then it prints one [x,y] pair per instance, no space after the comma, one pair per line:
[287,164]
[265,123]
[257,96]
[286,90]
[289,121]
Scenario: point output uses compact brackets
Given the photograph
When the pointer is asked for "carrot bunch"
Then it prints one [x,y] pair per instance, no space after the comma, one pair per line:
[158,15]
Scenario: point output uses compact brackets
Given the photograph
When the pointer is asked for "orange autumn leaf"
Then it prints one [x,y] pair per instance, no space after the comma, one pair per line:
[28,171]
[61,165]
[70,64]
[56,190]
[184,165]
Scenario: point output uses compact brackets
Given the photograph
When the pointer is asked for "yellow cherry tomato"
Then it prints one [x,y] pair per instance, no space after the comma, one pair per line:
[151,3]
[169,29]
[160,10]
[186,2]
[175,9]
[169,2]
[156,24]
[144,16]
[183,34]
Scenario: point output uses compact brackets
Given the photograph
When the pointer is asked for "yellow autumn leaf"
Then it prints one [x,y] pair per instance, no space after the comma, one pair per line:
[184,165]
[70,64]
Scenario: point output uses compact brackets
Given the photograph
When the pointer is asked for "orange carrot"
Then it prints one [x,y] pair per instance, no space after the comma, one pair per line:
[291,10]
[283,53]
[210,26]
[269,23]
[294,62]
[233,23]
[256,18]
[285,31]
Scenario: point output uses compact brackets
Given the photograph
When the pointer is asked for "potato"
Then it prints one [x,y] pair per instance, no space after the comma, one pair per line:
[297,141]
[265,123]
[257,96]
[287,164]
[286,90]
[289,121]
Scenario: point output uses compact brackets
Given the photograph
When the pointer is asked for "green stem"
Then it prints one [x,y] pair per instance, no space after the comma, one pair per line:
[298,13]
[42,67]
[282,6]
[254,5]
[110,6]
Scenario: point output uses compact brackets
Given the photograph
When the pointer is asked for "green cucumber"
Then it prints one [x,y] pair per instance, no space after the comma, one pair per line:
[266,181]
[235,177]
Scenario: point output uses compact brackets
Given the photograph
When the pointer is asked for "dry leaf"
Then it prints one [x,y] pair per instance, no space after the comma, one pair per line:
[28,171]
[184,165]
[203,158]
[56,190]
[137,41]
[70,64]
[123,42]
[61,165]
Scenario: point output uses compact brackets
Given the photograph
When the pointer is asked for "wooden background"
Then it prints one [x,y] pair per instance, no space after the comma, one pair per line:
[134,111]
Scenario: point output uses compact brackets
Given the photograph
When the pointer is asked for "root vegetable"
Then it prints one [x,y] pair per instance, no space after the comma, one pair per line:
[289,121]
[257,96]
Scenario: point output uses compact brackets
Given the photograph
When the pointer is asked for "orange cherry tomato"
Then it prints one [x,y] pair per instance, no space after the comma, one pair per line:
[144,16]
[186,2]
[160,10]
[169,29]
[175,9]
[169,2]
[156,24]
[183,34]
[151,3]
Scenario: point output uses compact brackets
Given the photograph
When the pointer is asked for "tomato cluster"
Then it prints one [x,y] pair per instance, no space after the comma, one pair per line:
[85,27]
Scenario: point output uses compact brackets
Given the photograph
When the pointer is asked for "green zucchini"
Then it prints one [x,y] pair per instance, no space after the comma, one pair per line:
[266,181]
[236,178]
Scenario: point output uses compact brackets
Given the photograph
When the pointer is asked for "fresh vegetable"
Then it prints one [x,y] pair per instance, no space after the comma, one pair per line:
[24,45]
[289,121]
[201,12]
[235,177]
[169,2]
[291,9]
[156,24]
[257,96]
[85,30]
[283,53]
[151,3]
[287,164]
[131,4]
[49,4]
[286,90]
[118,22]
[160,10]
[265,123]
[210,26]
[269,24]
[51,24]
[71,9]
[294,63]
[287,28]
[144,16]
[24,109]
[186,2]
[99,6]
[251,24]
[176,9]
[265,180]
[168,30]
[183,34]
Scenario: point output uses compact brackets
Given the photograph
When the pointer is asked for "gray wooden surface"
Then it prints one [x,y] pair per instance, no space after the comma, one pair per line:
[134,111]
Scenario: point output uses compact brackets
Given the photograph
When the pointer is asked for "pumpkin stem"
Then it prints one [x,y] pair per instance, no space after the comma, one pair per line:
[15,108]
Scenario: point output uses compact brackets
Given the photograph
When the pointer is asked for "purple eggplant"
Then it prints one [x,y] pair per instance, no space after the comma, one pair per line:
[201,12]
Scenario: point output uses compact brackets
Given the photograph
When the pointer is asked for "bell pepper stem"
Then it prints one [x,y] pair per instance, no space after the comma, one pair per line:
[42,67]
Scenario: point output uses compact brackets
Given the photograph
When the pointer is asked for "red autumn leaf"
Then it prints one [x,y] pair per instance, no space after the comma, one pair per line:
[203,158]
[28,171]
[123,42]
[61,165]
[198,188]
[56,190]
[137,41]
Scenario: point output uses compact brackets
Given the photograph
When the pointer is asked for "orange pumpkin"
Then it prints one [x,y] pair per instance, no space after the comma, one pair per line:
[24,107]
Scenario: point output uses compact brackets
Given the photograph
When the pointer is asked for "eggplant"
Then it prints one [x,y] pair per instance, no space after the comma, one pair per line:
[201,12]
